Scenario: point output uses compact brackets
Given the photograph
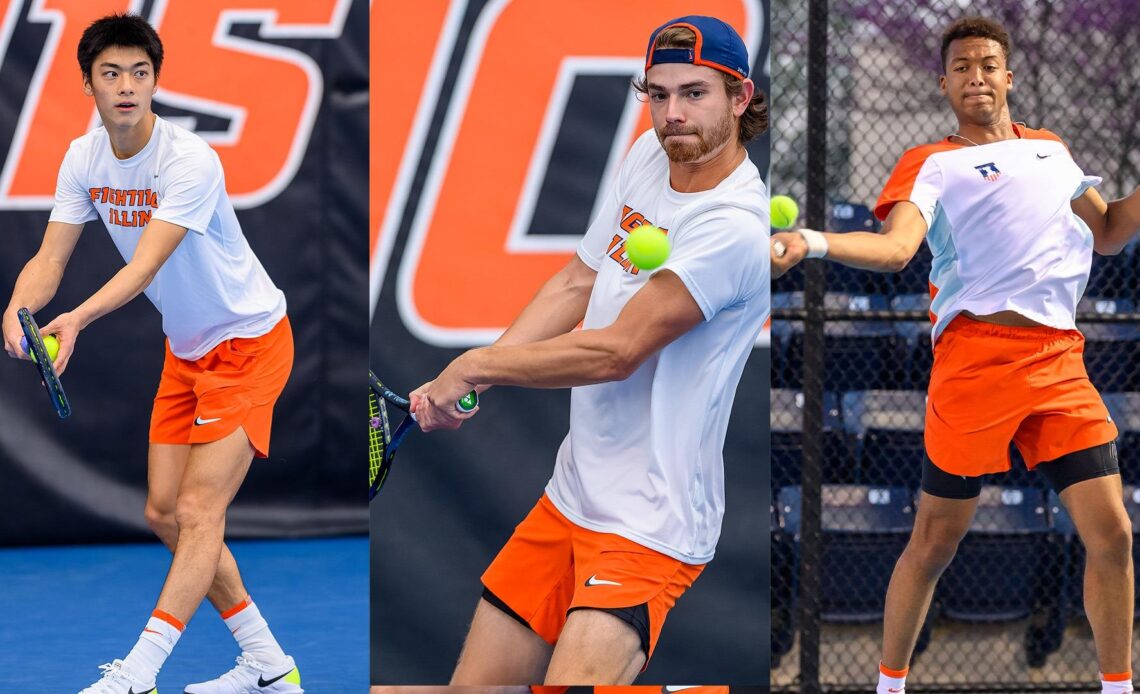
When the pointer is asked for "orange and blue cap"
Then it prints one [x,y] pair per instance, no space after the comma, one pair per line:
[717,46]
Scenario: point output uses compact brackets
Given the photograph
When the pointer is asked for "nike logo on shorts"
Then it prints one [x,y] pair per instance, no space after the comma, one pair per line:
[199,421]
[262,682]
[595,581]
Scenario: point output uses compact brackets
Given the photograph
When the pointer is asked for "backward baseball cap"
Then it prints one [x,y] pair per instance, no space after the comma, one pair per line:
[717,46]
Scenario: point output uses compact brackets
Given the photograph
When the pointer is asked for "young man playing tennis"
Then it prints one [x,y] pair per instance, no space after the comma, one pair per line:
[160,191]
[1012,222]
[579,593]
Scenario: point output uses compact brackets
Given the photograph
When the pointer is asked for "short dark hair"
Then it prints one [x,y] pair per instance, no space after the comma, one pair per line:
[129,30]
[753,121]
[975,27]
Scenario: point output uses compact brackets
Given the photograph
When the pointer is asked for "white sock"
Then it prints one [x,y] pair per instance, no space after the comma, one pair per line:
[155,643]
[252,633]
[1120,683]
[891,681]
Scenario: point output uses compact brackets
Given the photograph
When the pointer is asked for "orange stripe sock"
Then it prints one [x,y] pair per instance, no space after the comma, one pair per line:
[1116,682]
[252,633]
[891,681]
[237,608]
[169,619]
[154,646]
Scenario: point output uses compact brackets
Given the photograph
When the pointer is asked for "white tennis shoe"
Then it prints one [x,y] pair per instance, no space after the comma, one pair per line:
[118,680]
[252,677]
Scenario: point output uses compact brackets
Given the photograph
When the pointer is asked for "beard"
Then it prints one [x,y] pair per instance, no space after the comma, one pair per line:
[688,151]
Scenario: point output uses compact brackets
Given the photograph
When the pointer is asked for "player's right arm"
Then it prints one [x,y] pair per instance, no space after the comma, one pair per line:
[39,280]
[889,250]
[558,306]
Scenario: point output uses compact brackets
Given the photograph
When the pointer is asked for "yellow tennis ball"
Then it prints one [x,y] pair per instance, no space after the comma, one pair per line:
[647,247]
[785,212]
[51,344]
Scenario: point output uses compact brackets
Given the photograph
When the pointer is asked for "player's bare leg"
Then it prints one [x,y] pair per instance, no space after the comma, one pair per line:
[214,472]
[500,651]
[595,647]
[166,465]
[1097,509]
[939,526]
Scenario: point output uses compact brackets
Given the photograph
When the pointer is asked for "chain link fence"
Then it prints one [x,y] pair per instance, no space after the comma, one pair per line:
[1007,614]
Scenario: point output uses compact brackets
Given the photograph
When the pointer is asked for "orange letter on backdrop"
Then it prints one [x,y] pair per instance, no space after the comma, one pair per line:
[404,39]
[269,93]
[56,111]
[460,283]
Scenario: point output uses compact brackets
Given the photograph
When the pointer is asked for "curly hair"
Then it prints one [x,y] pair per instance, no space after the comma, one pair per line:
[975,27]
[754,120]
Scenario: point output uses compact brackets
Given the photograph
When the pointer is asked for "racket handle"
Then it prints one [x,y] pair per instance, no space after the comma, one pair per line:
[467,402]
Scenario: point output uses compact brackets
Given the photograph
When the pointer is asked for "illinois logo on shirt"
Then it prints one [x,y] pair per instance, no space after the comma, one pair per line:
[989,171]
[630,220]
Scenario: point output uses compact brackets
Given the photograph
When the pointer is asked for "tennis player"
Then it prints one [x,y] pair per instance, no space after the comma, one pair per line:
[633,511]
[160,191]
[1012,223]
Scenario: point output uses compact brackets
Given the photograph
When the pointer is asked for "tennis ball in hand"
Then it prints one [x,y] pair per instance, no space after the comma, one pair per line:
[647,247]
[785,212]
[51,344]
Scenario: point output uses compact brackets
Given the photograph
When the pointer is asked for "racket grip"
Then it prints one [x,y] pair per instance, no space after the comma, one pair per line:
[467,402]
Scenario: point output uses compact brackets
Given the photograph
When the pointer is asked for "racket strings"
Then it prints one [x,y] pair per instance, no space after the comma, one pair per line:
[377,434]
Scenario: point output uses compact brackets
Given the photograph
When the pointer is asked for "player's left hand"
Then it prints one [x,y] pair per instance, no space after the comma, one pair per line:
[794,250]
[65,327]
[434,403]
[12,334]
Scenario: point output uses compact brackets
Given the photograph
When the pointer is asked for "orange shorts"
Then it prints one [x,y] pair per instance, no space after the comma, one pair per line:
[234,385]
[551,566]
[992,384]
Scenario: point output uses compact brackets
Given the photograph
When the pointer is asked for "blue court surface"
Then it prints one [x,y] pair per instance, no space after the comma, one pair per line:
[66,610]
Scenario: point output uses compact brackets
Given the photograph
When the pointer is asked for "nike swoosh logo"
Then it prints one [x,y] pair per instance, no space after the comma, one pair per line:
[149,691]
[199,421]
[595,581]
[676,688]
[1039,156]
[262,682]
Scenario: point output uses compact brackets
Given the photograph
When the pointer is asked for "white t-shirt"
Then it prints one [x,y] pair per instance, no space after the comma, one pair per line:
[212,287]
[644,456]
[1000,226]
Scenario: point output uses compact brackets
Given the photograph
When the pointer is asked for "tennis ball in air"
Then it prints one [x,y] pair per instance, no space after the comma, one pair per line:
[51,344]
[647,247]
[785,212]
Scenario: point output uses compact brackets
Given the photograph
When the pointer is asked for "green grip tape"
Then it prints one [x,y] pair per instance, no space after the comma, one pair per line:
[468,402]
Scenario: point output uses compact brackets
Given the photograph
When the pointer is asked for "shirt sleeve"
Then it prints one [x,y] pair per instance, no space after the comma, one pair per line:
[194,184]
[72,199]
[721,257]
[599,237]
[596,242]
[916,179]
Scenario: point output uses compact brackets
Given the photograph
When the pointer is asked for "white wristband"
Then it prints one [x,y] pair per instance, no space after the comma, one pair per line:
[816,243]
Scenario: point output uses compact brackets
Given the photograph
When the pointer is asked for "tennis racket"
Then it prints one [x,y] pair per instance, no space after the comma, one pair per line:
[383,440]
[47,370]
